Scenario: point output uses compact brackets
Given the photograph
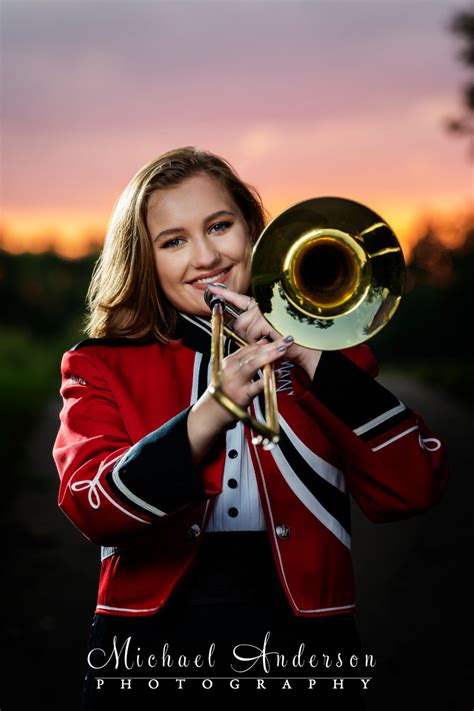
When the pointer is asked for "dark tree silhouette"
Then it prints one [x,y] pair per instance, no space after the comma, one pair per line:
[431,261]
[462,25]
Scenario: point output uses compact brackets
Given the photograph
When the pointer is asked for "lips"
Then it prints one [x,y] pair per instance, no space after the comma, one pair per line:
[218,275]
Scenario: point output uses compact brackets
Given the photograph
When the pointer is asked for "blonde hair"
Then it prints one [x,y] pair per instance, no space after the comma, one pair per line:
[124,297]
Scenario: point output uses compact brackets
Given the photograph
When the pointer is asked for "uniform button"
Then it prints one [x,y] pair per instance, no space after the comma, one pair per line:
[232,483]
[233,453]
[194,531]
[233,512]
[282,531]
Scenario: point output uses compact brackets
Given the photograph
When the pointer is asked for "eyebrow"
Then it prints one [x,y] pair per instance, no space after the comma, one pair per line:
[174,230]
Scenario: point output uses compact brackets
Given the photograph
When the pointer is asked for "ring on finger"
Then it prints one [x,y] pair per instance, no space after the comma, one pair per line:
[251,299]
[244,362]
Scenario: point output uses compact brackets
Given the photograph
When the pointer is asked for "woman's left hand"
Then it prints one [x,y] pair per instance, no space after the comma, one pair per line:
[251,325]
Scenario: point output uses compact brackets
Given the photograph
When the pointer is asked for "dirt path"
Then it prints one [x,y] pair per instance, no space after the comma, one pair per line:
[414,578]
[413,587]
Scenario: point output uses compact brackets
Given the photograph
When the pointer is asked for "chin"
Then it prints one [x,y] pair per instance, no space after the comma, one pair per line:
[198,309]
[205,313]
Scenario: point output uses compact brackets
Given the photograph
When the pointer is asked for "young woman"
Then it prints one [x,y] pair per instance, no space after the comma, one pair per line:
[225,568]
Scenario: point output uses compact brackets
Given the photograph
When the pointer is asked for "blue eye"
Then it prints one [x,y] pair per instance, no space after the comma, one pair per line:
[221,225]
[174,242]
[171,243]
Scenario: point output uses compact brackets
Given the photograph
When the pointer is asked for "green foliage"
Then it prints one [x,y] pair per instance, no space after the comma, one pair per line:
[434,315]
[43,293]
[430,334]
[42,299]
[28,376]
[462,24]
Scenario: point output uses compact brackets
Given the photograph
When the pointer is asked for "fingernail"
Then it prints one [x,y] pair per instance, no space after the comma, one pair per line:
[288,339]
[281,349]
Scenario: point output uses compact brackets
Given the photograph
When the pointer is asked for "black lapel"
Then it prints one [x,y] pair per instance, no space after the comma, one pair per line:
[195,333]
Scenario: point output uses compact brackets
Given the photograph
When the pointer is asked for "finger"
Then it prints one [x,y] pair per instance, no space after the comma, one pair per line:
[265,354]
[261,328]
[251,325]
[273,338]
[245,353]
[241,301]
[255,388]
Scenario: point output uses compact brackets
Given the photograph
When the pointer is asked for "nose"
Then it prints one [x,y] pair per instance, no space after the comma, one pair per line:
[205,254]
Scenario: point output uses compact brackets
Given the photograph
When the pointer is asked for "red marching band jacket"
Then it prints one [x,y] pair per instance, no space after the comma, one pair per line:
[129,485]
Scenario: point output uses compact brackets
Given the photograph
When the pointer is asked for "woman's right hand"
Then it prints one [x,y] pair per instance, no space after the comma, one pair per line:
[207,418]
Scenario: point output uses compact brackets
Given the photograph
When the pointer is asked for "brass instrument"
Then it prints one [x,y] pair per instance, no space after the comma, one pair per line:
[327,270]
[270,430]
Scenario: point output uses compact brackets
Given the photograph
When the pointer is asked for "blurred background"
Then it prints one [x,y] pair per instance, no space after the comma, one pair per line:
[371,100]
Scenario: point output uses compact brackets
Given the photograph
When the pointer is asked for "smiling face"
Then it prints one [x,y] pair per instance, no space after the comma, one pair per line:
[198,233]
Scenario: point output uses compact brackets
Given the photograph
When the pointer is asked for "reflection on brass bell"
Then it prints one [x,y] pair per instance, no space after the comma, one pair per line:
[329,271]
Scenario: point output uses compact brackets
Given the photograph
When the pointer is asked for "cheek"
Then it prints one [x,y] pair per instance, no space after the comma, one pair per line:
[166,271]
[244,268]
[159,268]
[243,247]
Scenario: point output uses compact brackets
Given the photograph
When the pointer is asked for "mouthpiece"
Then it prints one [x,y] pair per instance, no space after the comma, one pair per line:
[209,297]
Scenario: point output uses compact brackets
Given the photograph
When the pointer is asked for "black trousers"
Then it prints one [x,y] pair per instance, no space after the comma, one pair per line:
[229,631]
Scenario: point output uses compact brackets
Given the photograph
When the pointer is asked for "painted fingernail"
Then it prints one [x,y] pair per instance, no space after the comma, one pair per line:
[281,349]
[288,339]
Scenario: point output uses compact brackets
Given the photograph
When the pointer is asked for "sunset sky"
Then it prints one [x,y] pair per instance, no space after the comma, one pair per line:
[323,97]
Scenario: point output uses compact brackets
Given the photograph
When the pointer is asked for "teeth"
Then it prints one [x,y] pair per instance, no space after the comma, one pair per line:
[209,280]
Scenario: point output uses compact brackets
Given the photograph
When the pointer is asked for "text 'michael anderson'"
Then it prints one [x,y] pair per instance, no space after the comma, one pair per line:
[131,665]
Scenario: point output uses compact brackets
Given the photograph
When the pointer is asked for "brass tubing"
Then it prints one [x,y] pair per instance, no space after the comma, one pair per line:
[269,432]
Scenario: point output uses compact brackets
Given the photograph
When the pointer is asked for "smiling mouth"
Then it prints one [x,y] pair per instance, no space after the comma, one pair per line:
[213,278]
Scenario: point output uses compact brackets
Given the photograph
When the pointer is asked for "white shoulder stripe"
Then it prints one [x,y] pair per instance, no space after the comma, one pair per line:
[393,439]
[381,418]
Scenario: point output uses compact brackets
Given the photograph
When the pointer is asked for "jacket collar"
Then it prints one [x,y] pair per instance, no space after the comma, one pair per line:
[195,333]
